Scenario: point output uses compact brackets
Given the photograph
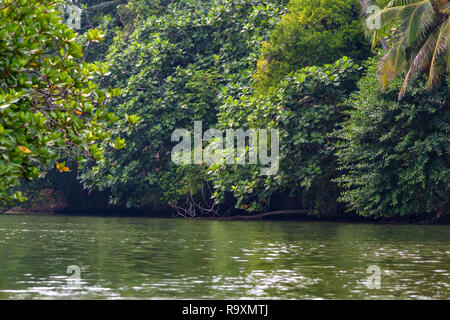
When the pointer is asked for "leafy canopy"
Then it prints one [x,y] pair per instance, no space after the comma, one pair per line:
[394,155]
[49,102]
[306,107]
[312,33]
[172,69]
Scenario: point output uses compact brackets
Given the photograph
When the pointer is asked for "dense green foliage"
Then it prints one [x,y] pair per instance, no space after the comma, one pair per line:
[306,107]
[171,69]
[395,154]
[312,33]
[299,66]
[48,100]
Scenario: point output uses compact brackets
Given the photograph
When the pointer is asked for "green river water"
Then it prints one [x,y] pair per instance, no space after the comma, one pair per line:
[144,258]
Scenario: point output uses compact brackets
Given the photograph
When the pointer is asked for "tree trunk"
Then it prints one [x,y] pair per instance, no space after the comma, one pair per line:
[274,213]
[383,40]
[104,7]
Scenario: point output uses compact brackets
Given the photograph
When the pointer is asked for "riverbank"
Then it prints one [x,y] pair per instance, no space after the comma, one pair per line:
[280,215]
[50,201]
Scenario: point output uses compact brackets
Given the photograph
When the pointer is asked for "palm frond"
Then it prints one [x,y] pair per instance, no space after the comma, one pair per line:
[419,21]
[441,46]
[392,63]
[387,15]
[445,9]
[413,13]
[397,3]
[448,46]
[420,63]
[420,40]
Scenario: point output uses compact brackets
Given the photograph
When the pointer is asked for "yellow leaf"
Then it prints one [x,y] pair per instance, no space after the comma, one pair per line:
[24,149]
[78,112]
[61,168]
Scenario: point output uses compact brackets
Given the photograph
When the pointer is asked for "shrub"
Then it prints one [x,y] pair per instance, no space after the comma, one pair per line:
[394,155]
[312,33]
[306,107]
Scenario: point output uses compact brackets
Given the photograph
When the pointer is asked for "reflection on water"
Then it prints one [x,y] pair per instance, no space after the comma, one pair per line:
[155,258]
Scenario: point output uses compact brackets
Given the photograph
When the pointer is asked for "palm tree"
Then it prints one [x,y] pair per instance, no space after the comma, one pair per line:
[378,37]
[420,41]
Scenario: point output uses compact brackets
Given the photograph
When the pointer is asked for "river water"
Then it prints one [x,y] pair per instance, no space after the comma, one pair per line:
[66,257]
